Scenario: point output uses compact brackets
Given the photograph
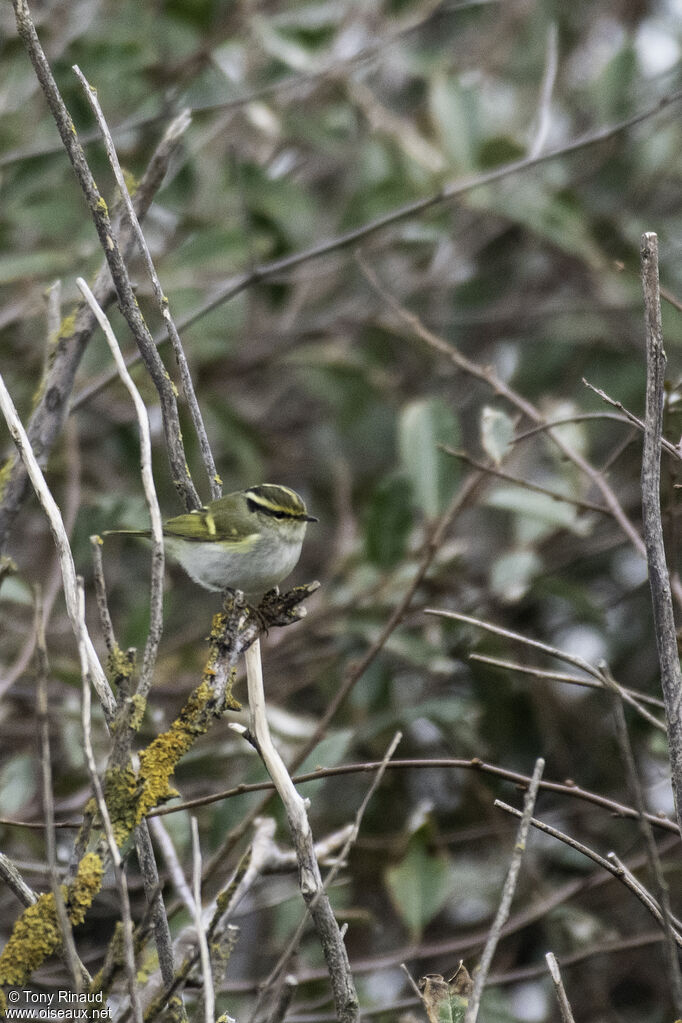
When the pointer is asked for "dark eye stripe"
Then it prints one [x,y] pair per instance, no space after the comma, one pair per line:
[277,513]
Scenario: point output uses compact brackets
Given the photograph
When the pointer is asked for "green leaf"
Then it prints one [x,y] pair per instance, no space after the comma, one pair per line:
[424,425]
[513,573]
[538,514]
[454,116]
[497,430]
[420,885]
[389,521]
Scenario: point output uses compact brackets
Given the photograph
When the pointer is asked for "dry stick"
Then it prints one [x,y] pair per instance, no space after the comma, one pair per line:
[54,580]
[493,470]
[502,915]
[49,415]
[205,958]
[564,1006]
[172,862]
[156,588]
[285,959]
[664,619]
[610,863]
[452,191]
[9,874]
[560,676]
[68,569]
[475,764]
[79,975]
[659,821]
[662,889]
[162,301]
[562,655]
[126,296]
[106,624]
[119,874]
[630,417]
[579,417]
[310,880]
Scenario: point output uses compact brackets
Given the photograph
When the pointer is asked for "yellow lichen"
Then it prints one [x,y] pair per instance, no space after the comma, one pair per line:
[36,936]
[120,666]
[121,791]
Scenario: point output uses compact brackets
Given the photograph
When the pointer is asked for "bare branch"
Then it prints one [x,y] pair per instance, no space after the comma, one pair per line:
[161,299]
[68,569]
[502,915]
[205,958]
[659,581]
[310,879]
[564,1006]
[113,254]
[103,809]
[613,865]
[158,559]
[49,415]
[630,417]
[492,470]
[560,676]
[661,885]
[79,974]
[562,655]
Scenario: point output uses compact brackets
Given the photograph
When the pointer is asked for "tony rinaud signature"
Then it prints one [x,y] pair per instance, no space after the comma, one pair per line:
[52,1005]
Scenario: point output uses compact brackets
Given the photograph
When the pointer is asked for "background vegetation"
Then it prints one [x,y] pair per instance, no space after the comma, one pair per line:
[315,122]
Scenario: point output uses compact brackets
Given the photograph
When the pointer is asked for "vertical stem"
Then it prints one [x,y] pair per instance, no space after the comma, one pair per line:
[659,580]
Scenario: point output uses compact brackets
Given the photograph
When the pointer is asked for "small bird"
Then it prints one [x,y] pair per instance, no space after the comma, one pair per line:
[249,540]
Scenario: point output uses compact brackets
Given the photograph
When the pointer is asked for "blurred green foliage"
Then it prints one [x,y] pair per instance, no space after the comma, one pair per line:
[310,119]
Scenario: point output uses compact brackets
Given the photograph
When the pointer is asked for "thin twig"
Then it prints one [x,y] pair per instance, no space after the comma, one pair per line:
[285,958]
[113,255]
[173,866]
[310,879]
[502,915]
[666,445]
[52,406]
[660,883]
[562,655]
[153,893]
[579,417]
[659,581]
[54,580]
[76,969]
[106,624]
[204,956]
[564,1006]
[119,873]
[560,676]
[156,587]
[657,820]
[537,488]
[61,539]
[161,299]
[615,868]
